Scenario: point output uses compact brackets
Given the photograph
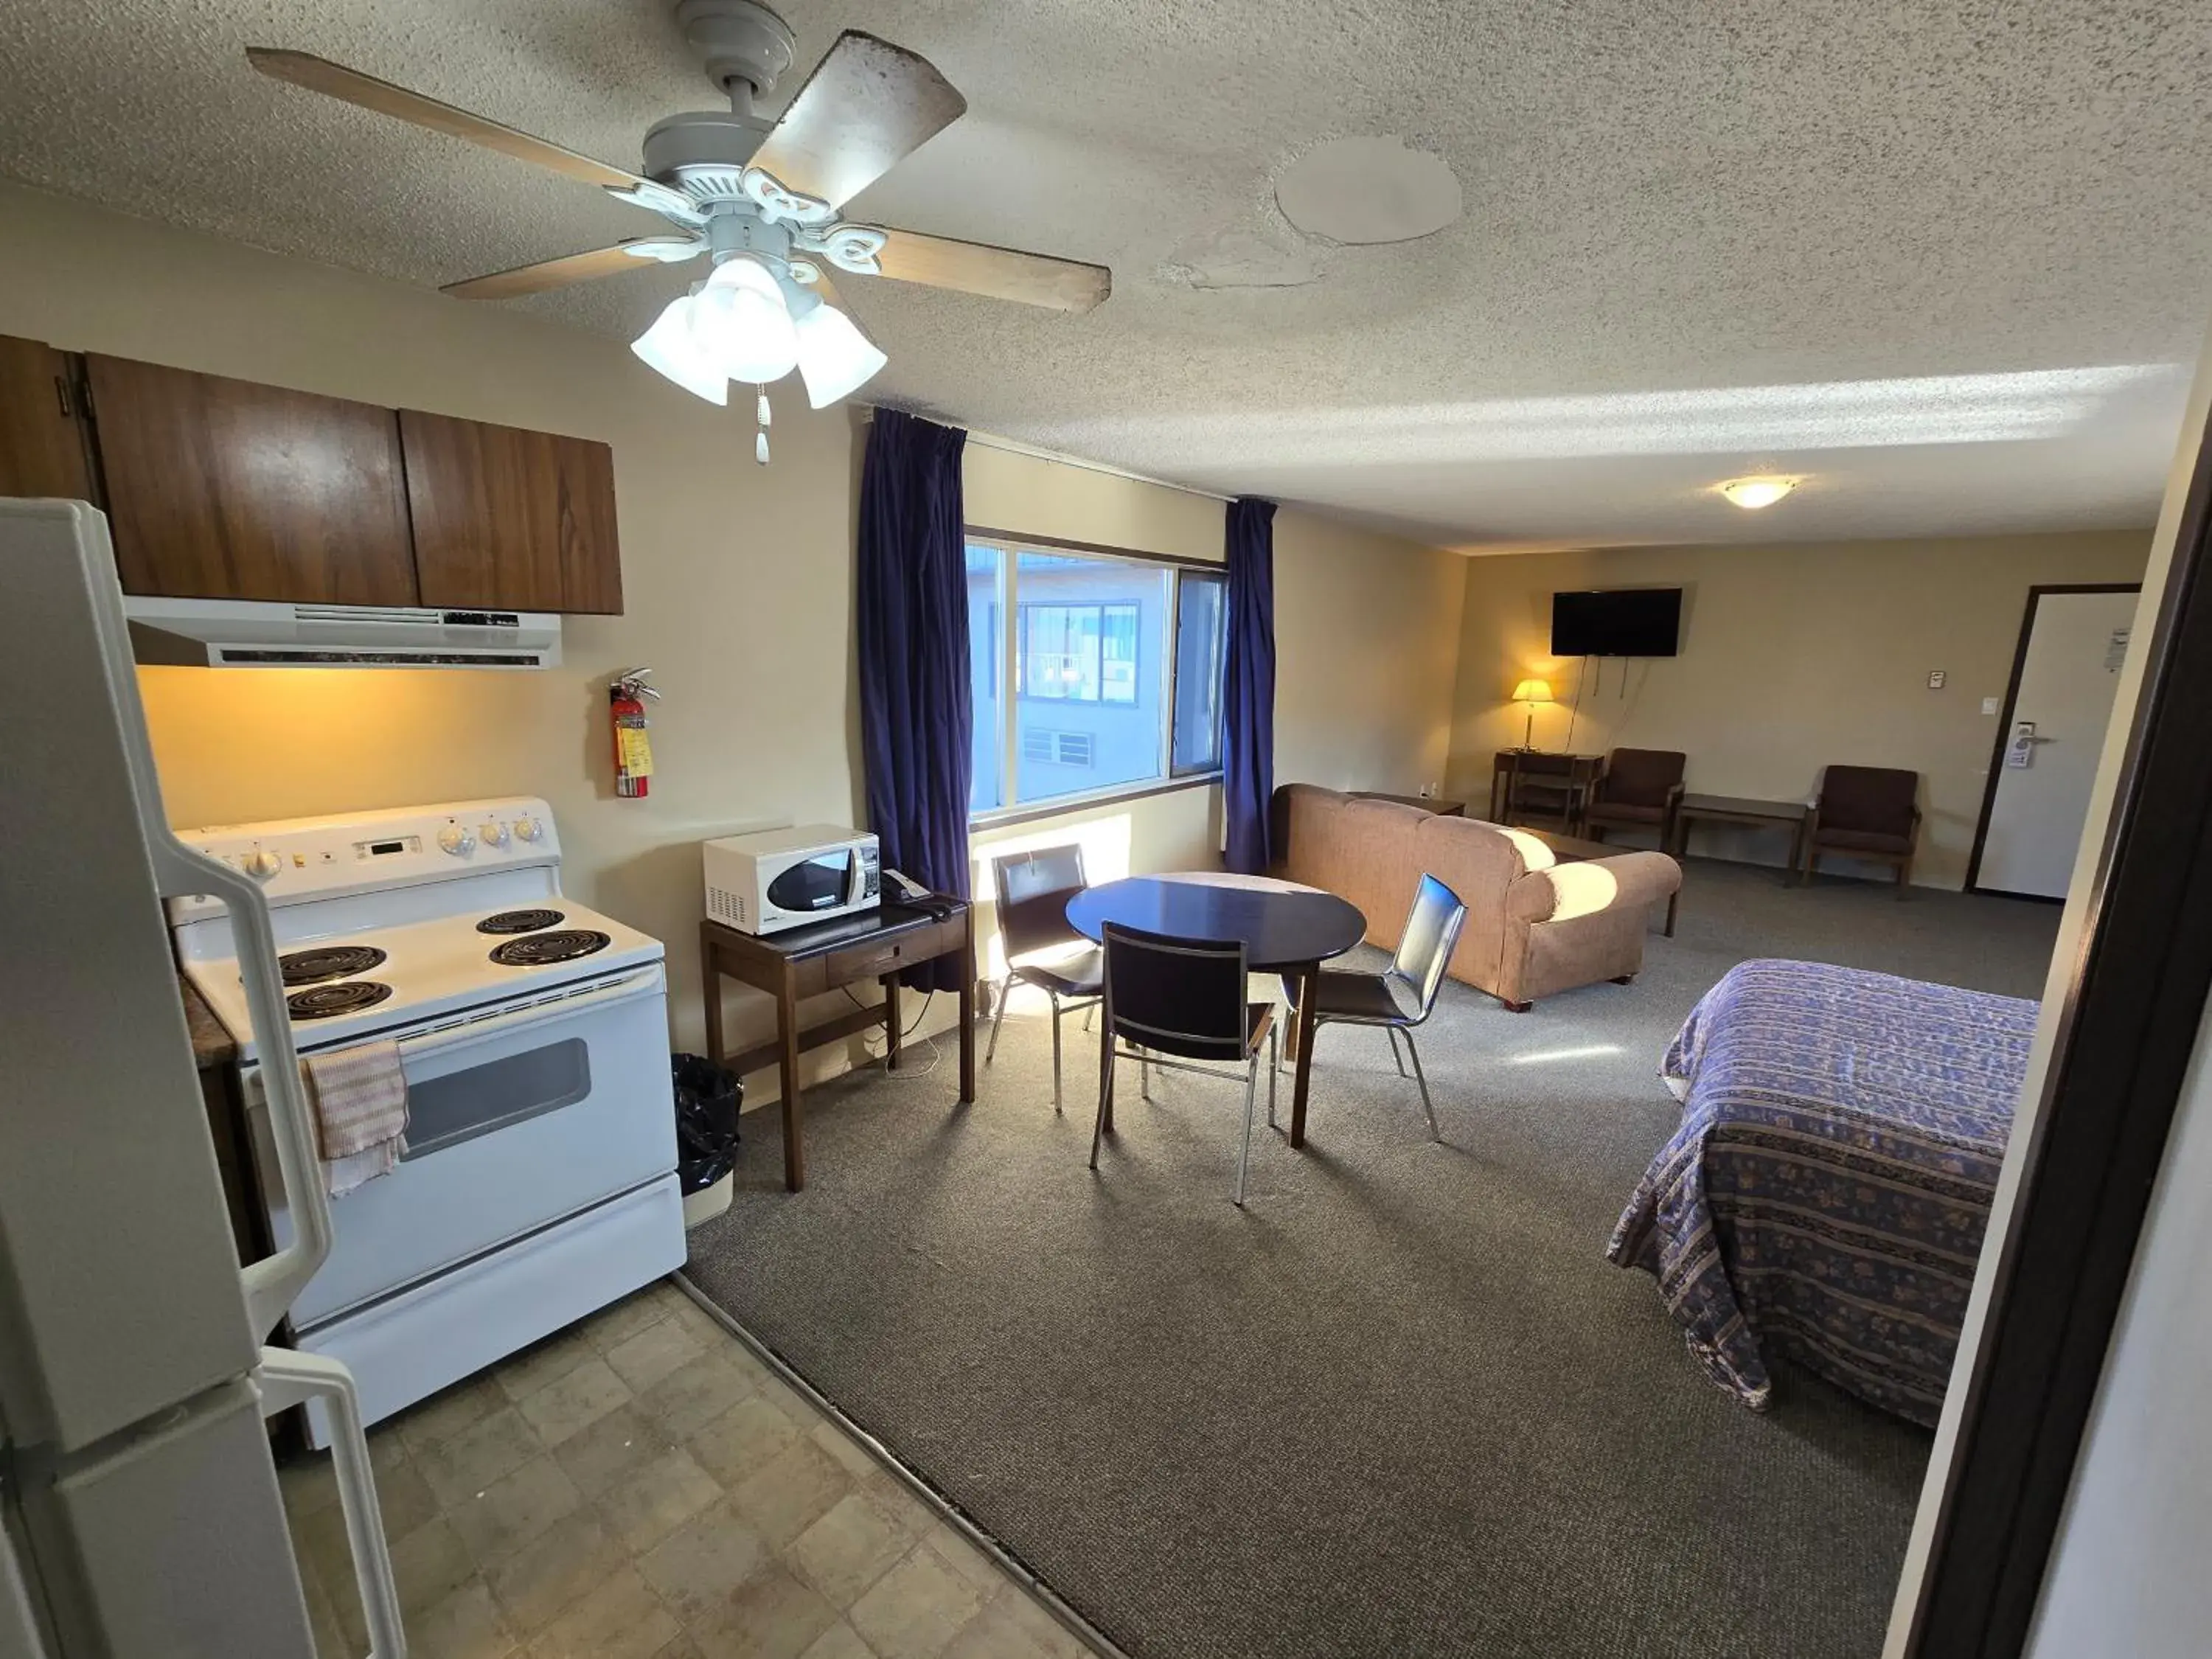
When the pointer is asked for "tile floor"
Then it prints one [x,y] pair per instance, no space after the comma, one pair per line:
[639,1486]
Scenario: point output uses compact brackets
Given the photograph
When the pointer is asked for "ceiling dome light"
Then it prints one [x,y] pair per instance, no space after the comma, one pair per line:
[668,349]
[1751,494]
[740,324]
[835,359]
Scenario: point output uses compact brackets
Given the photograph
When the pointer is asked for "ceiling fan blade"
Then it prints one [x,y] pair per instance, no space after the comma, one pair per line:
[337,81]
[999,273]
[559,273]
[868,106]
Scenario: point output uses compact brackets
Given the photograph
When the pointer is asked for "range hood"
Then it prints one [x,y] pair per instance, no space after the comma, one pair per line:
[254,633]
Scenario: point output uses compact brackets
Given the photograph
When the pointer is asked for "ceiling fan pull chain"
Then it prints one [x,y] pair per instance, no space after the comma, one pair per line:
[760,413]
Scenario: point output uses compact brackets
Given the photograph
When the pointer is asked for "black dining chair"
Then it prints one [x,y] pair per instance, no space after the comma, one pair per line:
[1403,994]
[1178,1004]
[1033,890]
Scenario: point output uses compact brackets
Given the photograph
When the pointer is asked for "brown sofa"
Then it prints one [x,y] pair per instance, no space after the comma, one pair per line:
[1535,926]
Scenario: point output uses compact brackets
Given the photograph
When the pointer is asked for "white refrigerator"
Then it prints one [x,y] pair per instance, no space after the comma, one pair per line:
[139,1512]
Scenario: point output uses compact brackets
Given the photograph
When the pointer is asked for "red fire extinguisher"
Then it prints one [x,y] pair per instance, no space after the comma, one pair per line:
[626,698]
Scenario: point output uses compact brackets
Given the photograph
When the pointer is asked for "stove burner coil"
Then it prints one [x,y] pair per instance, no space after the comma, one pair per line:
[537,950]
[346,997]
[521,921]
[328,962]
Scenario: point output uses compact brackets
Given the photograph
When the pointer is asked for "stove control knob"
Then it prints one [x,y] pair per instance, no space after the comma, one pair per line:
[492,833]
[261,864]
[528,829]
[457,840]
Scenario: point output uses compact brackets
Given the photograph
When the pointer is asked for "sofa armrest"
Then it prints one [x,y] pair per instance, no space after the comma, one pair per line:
[1567,891]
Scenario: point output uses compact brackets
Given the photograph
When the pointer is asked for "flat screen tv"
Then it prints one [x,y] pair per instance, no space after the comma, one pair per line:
[1627,621]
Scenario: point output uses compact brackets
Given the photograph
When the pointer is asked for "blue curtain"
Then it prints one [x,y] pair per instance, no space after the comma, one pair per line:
[1247,692]
[911,592]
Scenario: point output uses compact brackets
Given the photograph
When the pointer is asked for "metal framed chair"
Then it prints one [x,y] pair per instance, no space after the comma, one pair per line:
[1178,1004]
[1033,889]
[1403,994]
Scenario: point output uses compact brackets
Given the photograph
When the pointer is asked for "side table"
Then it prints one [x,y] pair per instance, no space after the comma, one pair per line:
[804,961]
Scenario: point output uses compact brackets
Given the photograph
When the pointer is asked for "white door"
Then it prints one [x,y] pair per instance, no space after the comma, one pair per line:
[2070,668]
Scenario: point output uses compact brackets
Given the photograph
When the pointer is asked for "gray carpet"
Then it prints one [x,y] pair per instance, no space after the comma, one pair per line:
[1401,1405]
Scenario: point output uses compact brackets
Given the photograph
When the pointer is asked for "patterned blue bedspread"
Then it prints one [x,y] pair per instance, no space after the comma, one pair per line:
[1826,1195]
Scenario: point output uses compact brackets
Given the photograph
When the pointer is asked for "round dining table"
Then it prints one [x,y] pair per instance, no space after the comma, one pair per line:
[1285,929]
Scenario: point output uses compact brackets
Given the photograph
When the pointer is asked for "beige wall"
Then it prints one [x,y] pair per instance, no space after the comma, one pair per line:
[1792,657]
[738,584]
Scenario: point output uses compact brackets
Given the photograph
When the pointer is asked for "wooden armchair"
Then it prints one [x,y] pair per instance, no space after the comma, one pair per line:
[1866,812]
[1640,789]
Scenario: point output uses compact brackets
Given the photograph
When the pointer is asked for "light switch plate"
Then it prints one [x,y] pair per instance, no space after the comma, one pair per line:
[1936,678]
[1989,705]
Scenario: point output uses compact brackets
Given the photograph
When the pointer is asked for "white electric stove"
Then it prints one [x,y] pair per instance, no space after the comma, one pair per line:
[538,1180]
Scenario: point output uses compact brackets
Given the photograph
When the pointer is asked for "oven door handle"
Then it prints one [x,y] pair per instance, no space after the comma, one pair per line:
[620,990]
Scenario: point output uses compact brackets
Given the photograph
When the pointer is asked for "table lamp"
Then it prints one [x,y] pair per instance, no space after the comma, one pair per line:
[1530,693]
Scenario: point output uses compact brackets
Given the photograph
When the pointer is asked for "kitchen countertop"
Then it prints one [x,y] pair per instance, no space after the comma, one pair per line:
[211,1043]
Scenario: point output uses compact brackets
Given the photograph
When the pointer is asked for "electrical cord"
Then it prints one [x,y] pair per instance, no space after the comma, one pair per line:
[905,1073]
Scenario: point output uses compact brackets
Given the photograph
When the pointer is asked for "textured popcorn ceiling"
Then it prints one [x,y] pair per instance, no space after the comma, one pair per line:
[1941,258]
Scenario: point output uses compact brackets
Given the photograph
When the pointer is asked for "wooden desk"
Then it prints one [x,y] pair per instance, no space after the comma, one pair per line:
[1738,809]
[804,961]
[1572,776]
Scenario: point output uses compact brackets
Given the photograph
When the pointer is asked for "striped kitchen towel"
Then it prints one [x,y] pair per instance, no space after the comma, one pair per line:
[360,1098]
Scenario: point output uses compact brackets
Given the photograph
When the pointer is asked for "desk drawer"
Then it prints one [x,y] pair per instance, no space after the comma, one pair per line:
[874,957]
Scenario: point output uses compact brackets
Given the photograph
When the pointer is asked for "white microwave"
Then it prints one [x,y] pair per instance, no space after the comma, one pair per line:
[778,879]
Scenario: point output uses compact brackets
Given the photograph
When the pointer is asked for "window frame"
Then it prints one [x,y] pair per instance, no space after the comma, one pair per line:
[1009,546]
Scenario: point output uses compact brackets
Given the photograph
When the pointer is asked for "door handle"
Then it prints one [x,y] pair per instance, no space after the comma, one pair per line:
[287,1379]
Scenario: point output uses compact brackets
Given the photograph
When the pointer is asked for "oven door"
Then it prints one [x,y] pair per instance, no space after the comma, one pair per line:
[516,1122]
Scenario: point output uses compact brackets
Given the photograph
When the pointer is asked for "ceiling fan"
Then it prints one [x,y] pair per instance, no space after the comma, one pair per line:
[758,198]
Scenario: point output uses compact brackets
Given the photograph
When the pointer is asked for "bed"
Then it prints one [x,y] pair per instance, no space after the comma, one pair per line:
[1825,1197]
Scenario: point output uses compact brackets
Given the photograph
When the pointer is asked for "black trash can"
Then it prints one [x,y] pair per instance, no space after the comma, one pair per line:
[708,1097]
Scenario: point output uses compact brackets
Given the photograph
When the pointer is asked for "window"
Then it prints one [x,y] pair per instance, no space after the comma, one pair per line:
[1202,644]
[1113,663]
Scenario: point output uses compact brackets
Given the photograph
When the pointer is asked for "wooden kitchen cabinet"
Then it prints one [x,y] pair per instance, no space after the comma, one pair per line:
[509,518]
[42,441]
[226,490]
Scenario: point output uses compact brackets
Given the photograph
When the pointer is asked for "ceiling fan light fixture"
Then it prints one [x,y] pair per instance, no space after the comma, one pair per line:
[1751,494]
[835,359]
[741,323]
[668,349]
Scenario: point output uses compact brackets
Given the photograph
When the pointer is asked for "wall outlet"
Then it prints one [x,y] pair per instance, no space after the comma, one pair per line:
[1991,705]
[1936,678]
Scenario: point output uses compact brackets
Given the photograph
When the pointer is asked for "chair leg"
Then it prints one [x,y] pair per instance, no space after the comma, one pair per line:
[1144,1075]
[1105,1093]
[1274,1066]
[1091,1018]
[998,1018]
[1904,875]
[1055,1052]
[1396,1059]
[1244,1153]
[1421,1078]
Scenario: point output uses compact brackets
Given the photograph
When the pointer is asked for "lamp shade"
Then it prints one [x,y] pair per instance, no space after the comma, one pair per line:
[1533,691]
[740,324]
[668,349]
[835,359]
